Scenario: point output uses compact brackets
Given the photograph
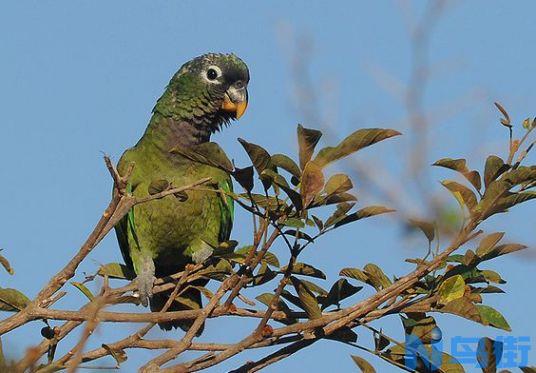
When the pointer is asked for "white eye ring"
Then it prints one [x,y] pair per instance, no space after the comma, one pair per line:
[212,74]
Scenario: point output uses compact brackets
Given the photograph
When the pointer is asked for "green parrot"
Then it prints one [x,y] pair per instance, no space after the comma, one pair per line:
[161,237]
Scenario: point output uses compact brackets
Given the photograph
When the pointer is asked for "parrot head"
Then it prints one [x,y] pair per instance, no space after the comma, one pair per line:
[211,88]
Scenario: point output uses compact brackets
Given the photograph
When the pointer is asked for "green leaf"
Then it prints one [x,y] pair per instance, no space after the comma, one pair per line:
[507,181]
[528,369]
[307,299]
[338,198]
[529,123]
[339,214]
[364,213]
[462,307]
[266,299]
[307,140]
[5,263]
[259,156]
[450,289]
[364,365]
[463,195]
[294,222]
[314,288]
[421,326]
[376,277]
[497,197]
[305,270]
[490,289]
[287,164]
[292,298]
[488,354]
[244,177]
[488,243]
[494,168]
[344,334]
[301,235]
[116,270]
[470,259]
[338,183]
[235,257]
[269,257]
[351,144]
[474,178]
[12,300]
[460,166]
[271,177]
[354,273]
[513,199]
[274,177]
[448,363]
[80,286]
[492,276]
[491,316]
[312,182]
[503,250]
[340,290]
[264,275]
[225,247]
[520,175]
[217,271]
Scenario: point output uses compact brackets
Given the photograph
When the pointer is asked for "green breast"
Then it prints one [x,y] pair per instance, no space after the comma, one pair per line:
[167,227]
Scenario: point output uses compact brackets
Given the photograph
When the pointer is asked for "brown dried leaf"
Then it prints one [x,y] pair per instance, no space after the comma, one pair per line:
[463,195]
[307,140]
[5,263]
[488,354]
[506,120]
[338,183]
[364,365]
[307,299]
[312,182]
[364,213]
[428,228]
[259,156]
[351,144]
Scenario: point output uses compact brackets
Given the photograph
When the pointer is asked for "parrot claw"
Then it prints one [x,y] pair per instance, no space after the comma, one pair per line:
[145,281]
[145,284]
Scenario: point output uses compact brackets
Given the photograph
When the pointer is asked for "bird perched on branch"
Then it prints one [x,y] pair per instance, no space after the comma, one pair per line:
[162,236]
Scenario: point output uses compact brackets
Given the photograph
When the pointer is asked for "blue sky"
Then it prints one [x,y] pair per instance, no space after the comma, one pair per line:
[80,78]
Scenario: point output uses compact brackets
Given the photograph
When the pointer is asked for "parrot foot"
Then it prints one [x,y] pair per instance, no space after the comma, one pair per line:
[145,281]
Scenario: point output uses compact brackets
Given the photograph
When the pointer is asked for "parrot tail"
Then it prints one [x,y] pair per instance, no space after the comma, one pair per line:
[189,300]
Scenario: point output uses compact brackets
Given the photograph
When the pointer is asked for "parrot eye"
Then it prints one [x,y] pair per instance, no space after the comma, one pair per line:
[213,73]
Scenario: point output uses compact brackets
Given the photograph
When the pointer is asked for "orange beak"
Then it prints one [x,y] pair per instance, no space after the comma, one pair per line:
[237,108]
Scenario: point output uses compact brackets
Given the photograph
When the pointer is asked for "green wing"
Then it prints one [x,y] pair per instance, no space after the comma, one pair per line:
[125,227]
[122,231]
[227,210]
